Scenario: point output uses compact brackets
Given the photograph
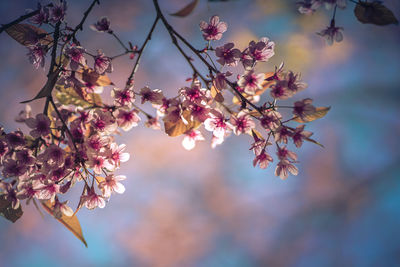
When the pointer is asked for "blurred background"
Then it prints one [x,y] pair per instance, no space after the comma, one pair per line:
[210,207]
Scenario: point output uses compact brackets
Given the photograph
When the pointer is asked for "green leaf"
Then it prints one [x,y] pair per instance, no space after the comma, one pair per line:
[71,223]
[7,211]
[27,34]
[374,13]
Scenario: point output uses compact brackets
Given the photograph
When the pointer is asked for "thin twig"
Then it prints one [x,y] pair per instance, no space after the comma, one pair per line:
[148,38]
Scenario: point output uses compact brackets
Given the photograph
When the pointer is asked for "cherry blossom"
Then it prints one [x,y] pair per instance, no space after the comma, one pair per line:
[189,141]
[214,29]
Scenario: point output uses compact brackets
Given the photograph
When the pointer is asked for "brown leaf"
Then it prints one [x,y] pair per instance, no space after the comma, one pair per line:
[89,75]
[374,13]
[186,10]
[179,127]
[319,113]
[72,223]
[27,34]
[216,94]
[7,211]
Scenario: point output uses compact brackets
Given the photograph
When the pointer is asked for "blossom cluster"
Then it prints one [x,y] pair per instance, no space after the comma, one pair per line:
[200,105]
[72,142]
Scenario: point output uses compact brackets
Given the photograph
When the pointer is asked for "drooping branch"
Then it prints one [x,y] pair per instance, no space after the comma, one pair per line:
[173,33]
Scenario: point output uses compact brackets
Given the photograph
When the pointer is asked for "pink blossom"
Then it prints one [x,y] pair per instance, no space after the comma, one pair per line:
[261,51]
[57,11]
[24,114]
[259,146]
[308,6]
[153,123]
[37,55]
[15,139]
[293,82]
[97,163]
[216,141]
[61,208]
[112,184]
[75,53]
[284,167]
[271,120]
[126,119]
[53,156]
[263,159]
[282,134]
[102,25]
[194,94]
[280,91]
[12,168]
[154,96]
[40,125]
[116,154]
[91,200]
[26,191]
[214,29]
[227,54]
[41,17]
[104,122]
[299,134]
[189,141]
[217,124]
[123,97]
[102,63]
[242,123]
[96,142]
[10,194]
[332,33]
[199,112]
[284,153]
[25,157]
[250,82]
[46,191]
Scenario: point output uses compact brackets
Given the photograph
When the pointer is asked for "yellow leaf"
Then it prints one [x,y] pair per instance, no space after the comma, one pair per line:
[179,127]
[319,113]
[100,179]
[72,223]
[186,10]
[27,34]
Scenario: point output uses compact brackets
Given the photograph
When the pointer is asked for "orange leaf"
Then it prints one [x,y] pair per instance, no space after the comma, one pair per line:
[27,34]
[319,113]
[72,223]
[179,127]
[186,10]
